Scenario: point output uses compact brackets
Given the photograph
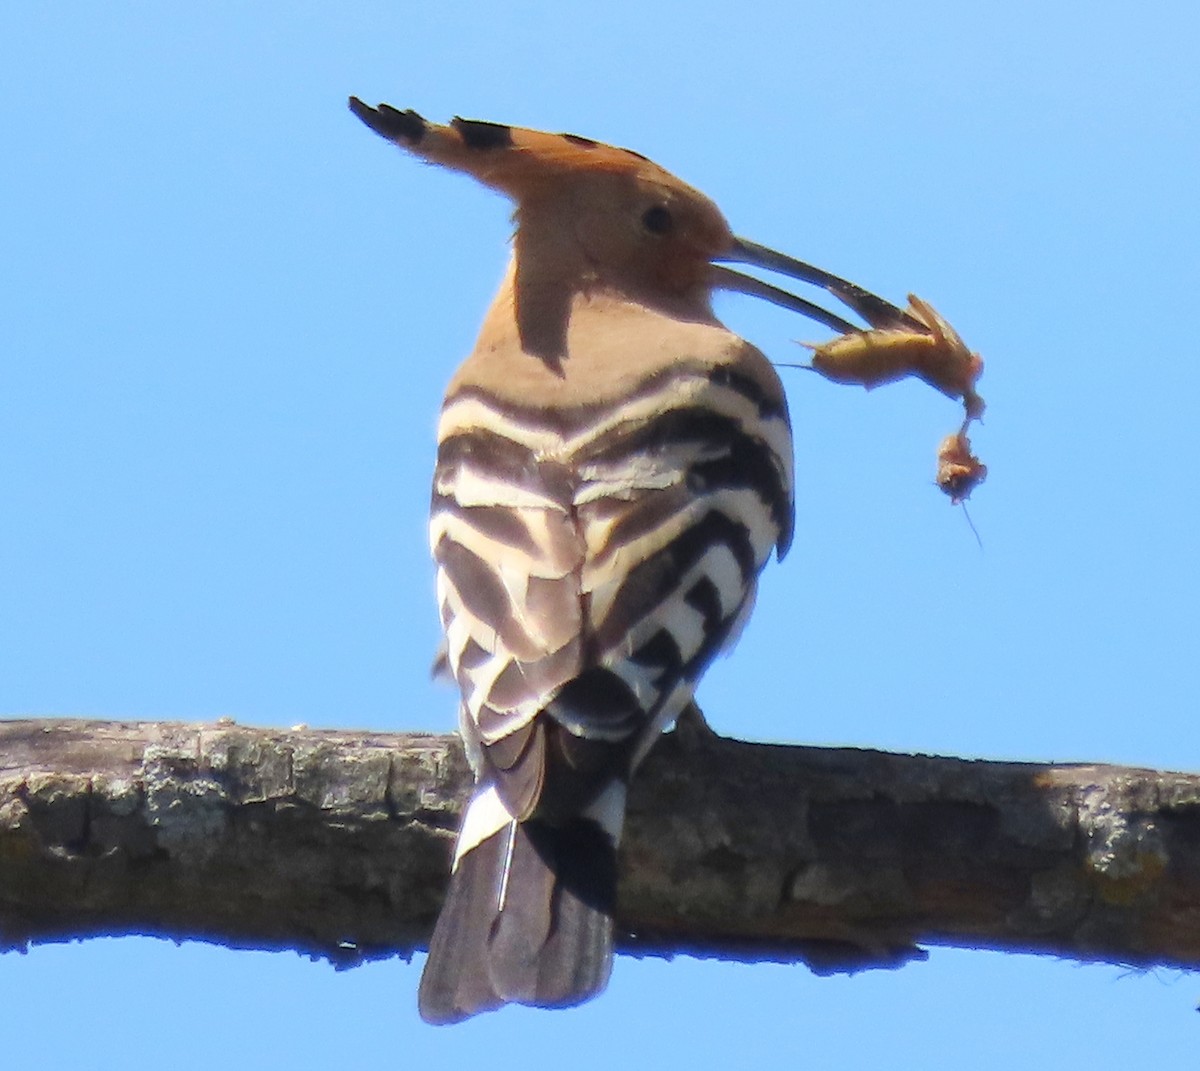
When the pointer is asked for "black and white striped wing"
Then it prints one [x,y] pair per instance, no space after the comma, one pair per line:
[510,557]
[671,569]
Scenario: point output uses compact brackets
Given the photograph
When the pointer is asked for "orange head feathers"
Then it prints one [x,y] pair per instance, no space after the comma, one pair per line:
[625,218]
[611,216]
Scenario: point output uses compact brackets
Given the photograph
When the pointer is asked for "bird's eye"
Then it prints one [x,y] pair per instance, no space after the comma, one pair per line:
[657,220]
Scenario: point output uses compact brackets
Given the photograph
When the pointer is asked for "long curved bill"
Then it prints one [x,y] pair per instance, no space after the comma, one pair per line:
[877,311]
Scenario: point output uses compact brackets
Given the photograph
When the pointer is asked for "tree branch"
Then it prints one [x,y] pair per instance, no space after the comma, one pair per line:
[337,844]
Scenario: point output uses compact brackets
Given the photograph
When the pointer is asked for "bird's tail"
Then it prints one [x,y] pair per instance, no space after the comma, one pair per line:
[528,918]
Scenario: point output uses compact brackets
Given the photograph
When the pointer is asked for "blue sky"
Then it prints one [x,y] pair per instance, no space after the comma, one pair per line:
[228,315]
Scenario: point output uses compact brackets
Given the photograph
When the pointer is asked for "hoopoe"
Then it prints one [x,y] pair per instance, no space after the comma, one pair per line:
[614,469]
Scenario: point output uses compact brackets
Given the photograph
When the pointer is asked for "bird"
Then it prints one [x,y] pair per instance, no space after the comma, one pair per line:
[614,469]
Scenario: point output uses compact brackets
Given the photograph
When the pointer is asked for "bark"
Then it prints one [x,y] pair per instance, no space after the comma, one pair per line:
[337,844]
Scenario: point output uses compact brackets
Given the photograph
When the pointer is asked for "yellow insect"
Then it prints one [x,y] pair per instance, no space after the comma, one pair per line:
[917,342]
[931,351]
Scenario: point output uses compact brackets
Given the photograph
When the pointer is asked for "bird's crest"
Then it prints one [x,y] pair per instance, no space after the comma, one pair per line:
[512,159]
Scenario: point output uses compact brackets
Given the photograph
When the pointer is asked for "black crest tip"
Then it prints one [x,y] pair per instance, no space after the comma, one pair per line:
[389,122]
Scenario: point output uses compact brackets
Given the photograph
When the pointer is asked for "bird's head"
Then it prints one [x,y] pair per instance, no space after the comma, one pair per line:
[595,213]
